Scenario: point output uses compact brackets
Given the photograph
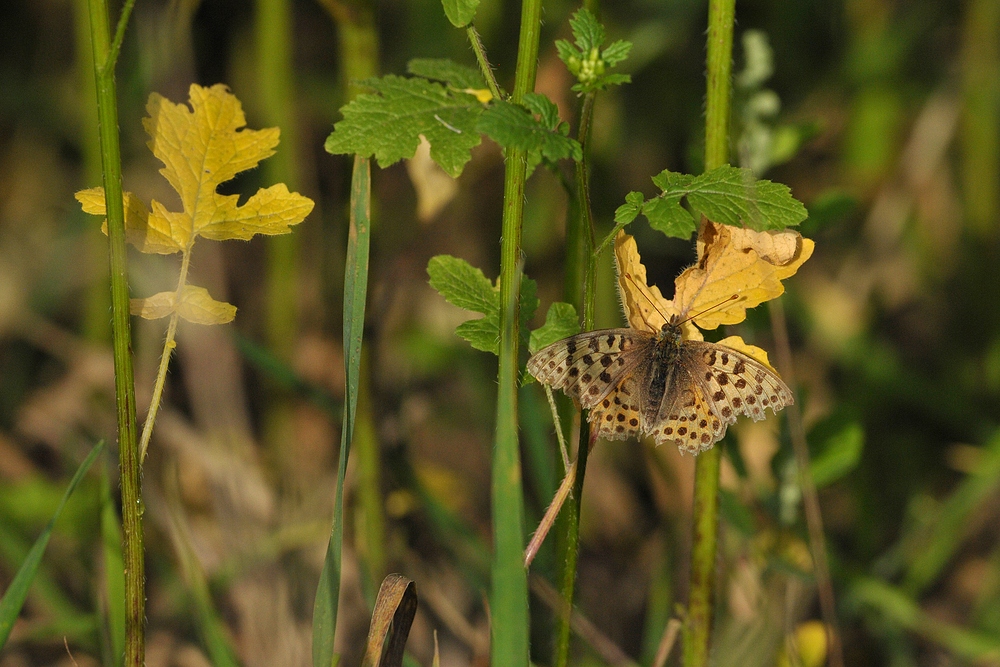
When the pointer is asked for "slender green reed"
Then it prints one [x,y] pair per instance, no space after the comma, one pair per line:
[581,264]
[697,633]
[105,56]
[509,599]
[355,293]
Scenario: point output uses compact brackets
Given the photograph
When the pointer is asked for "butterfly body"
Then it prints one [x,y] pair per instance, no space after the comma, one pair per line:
[638,382]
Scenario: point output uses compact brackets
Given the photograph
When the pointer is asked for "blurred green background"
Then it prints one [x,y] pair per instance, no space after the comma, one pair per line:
[882,116]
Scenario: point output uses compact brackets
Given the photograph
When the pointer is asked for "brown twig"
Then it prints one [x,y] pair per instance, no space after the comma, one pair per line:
[810,499]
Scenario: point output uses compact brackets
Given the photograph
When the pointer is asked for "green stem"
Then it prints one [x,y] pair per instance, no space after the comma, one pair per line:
[583,239]
[698,624]
[105,55]
[169,344]
[510,585]
[484,65]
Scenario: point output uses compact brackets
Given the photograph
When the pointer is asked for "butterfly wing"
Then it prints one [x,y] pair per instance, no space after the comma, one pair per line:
[616,415]
[590,366]
[738,384]
[686,417]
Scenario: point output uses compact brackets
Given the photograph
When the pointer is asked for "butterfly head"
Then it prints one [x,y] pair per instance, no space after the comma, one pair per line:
[671,331]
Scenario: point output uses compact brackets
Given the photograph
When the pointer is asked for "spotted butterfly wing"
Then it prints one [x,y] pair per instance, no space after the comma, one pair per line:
[603,370]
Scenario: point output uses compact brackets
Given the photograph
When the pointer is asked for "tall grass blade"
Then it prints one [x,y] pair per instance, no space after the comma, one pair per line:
[13,599]
[355,293]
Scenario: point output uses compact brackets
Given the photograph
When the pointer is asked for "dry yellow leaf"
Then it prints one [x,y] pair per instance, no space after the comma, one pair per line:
[737,269]
[137,230]
[201,147]
[195,305]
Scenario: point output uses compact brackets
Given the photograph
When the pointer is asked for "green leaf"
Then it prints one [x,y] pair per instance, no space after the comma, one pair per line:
[839,456]
[587,31]
[462,284]
[586,61]
[442,69]
[17,592]
[460,12]
[726,195]
[389,122]
[631,209]
[512,126]
[326,606]
[560,322]
[666,214]
[482,334]
[465,286]
[616,52]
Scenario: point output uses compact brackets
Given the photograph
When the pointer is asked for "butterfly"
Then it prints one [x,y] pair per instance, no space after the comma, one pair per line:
[637,382]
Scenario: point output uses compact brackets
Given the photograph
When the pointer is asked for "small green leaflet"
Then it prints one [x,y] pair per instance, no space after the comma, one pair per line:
[388,123]
[514,126]
[461,77]
[465,286]
[460,12]
[585,60]
[726,195]
[560,322]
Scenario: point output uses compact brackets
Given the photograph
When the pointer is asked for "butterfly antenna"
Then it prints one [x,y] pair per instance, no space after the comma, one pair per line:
[718,305]
[647,297]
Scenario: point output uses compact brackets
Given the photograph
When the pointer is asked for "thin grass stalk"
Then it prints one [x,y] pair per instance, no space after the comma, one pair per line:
[275,79]
[105,57]
[96,325]
[509,598]
[275,74]
[581,250]
[355,293]
[698,623]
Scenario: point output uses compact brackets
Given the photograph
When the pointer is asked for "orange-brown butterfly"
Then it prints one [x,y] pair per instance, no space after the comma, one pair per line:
[635,382]
[647,379]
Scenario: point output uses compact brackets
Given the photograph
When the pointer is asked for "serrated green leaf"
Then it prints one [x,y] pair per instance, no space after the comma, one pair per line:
[513,126]
[460,12]
[443,69]
[388,123]
[567,52]
[482,334]
[616,52]
[672,181]
[632,207]
[560,322]
[587,31]
[726,195]
[463,285]
[548,112]
[666,214]
[732,196]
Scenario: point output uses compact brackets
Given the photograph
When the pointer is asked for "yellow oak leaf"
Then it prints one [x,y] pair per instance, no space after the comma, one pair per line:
[201,147]
[737,269]
[137,230]
[195,305]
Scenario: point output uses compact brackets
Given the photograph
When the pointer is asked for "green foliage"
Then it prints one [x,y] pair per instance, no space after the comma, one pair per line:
[544,138]
[462,77]
[465,286]
[388,123]
[728,195]
[561,322]
[17,592]
[586,61]
[460,12]
[839,456]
